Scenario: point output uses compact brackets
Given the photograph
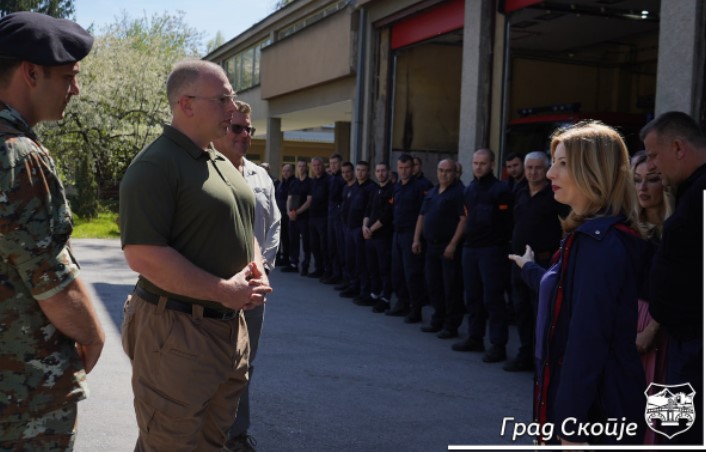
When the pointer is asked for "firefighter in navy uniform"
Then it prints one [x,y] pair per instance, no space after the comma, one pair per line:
[442,222]
[281,194]
[348,175]
[360,194]
[536,223]
[318,218]
[418,174]
[334,234]
[488,202]
[407,267]
[377,231]
[298,203]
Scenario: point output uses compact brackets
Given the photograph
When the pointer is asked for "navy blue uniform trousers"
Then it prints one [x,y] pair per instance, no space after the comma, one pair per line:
[443,277]
[484,280]
[334,235]
[355,260]
[407,272]
[317,237]
[299,228]
[379,265]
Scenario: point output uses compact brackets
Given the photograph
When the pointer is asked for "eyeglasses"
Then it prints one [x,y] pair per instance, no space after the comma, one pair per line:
[237,129]
[222,100]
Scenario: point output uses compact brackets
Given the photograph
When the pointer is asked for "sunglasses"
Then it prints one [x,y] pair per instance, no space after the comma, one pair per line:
[237,129]
[221,100]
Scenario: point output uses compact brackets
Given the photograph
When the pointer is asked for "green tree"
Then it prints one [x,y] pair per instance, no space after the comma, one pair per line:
[56,8]
[122,105]
[86,201]
[215,43]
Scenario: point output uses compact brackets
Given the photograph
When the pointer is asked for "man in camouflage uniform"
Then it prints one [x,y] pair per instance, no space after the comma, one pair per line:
[50,336]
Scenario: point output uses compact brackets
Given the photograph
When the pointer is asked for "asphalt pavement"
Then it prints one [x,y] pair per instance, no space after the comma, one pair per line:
[330,375]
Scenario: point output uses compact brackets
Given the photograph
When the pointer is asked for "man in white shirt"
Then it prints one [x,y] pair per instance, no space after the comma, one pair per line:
[235,145]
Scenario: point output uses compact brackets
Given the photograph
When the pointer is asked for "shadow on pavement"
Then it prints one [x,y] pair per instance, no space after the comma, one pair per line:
[113,297]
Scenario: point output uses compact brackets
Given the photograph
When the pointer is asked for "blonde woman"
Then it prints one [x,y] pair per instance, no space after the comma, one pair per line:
[654,206]
[588,368]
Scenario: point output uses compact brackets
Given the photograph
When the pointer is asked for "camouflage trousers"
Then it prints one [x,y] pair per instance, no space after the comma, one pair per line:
[53,430]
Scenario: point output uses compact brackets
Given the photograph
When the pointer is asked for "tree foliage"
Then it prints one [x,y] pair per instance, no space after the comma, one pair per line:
[123,104]
[216,42]
[56,8]
[86,201]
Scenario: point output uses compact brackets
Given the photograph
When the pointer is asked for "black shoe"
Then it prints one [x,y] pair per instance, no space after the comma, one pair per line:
[290,269]
[316,274]
[413,318]
[519,364]
[495,354]
[469,345]
[342,286]
[241,443]
[397,312]
[447,334]
[332,280]
[304,272]
[350,293]
[363,300]
[381,306]
[431,328]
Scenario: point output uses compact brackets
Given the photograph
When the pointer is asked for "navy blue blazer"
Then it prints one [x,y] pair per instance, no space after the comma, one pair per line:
[588,368]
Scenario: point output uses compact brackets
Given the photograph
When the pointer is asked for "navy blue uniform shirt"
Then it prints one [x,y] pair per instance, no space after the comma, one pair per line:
[299,190]
[537,221]
[281,193]
[335,190]
[516,186]
[360,195]
[489,207]
[346,201]
[407,202]
[425,183]
[442,212]
[380,209]
[319,196]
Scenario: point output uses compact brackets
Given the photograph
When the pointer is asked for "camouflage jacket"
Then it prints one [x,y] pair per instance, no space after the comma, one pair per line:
[40,368]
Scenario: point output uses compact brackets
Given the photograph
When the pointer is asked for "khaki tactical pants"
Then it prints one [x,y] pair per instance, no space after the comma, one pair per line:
[187,375]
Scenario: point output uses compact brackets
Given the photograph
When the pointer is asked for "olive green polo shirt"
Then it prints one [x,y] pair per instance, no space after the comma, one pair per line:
[178,195]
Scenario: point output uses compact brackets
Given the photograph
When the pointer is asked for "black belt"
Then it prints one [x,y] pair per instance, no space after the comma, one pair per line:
[183,306]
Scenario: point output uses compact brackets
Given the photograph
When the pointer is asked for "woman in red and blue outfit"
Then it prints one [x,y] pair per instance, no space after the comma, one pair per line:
[588,368]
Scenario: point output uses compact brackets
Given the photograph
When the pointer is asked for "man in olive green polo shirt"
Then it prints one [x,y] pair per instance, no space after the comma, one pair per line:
[186,218]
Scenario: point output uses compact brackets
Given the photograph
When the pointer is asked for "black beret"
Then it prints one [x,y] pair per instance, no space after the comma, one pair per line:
[42,39]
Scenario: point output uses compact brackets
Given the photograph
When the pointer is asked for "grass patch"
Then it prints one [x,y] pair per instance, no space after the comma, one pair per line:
[104,226]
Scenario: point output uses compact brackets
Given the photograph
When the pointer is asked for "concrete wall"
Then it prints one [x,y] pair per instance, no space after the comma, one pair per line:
[496,90]
[378,144]
[318,54]
[680,72]
[330,93]
[476,81]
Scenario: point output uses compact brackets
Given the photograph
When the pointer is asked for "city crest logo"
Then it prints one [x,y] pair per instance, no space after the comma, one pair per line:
[670,408]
